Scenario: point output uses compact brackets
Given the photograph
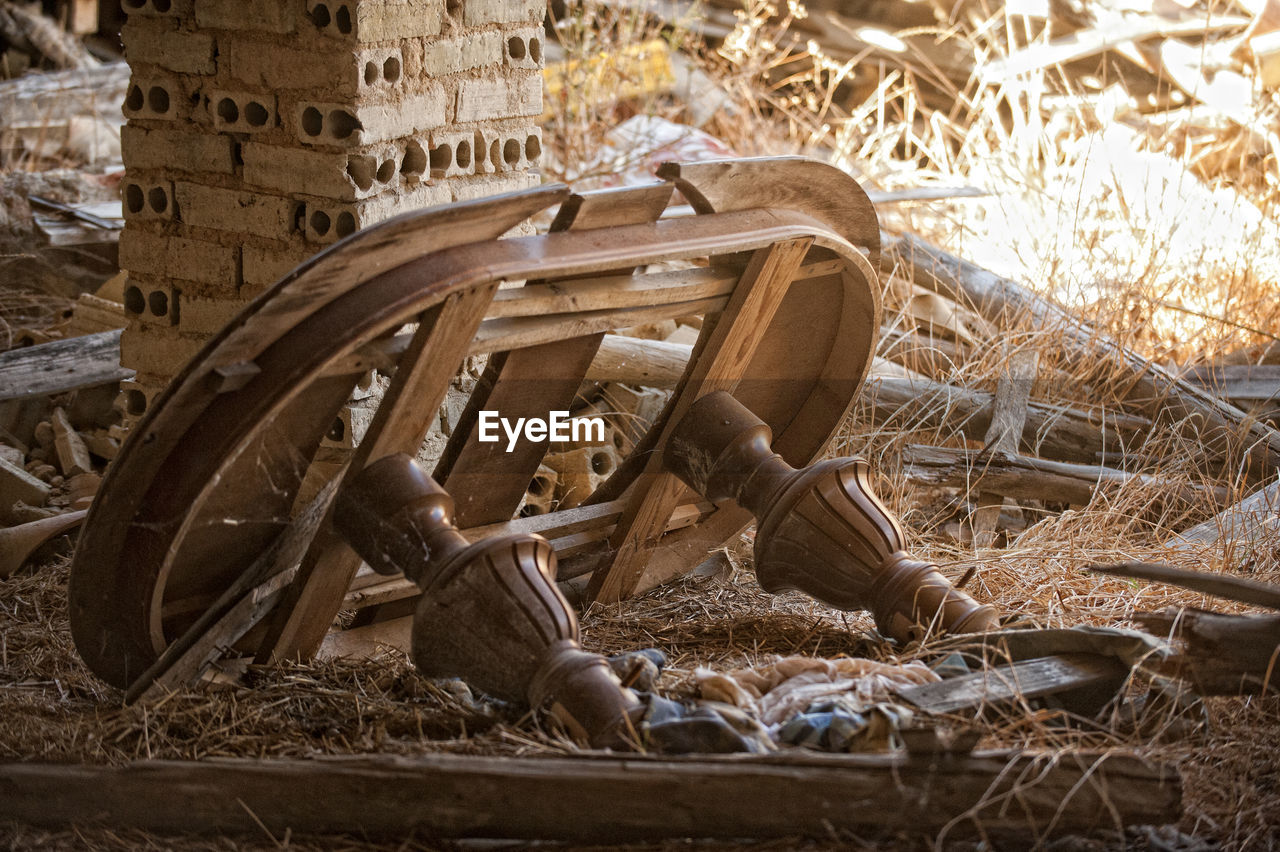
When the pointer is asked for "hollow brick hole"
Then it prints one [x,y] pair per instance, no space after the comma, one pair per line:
[532,148]
[135,100]
[134,301]
[134,199]
[391,69]
[386,171]
[256,114]
[320,222]
[535,49]
[158,302]
[158,99]
[158,199]
[342,123]
[342,18]
[511,152]
[135,402]
[602,464]
[162,6]
[312,121]
[228,111]
[516,48]
[415,159]
[362,169]
[441,159]
[370,73]
[320,16]
[346,224]
[299,215]
[462,156]
[134,5]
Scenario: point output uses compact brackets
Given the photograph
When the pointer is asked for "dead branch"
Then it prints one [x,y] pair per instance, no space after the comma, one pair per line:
[1222,427]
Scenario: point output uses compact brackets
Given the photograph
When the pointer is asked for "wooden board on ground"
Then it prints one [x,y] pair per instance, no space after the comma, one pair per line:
[604,799]
[62,365]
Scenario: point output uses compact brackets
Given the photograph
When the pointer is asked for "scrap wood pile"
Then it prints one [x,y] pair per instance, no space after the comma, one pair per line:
[1021,442]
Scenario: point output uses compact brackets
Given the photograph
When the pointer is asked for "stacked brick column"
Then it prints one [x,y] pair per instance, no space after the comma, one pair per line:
[259,132]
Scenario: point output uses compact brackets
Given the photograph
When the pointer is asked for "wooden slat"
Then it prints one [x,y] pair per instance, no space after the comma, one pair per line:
[62,365]
[720,365]
[487,481]
[1226,586]
[1245,382]
[569,532]
[629,290]
[601,799]
[613,291]
[399,426]
[497,335]
[1004,685]
[500,333]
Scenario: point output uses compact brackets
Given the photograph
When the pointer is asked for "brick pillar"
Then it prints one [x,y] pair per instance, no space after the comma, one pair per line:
[259,132]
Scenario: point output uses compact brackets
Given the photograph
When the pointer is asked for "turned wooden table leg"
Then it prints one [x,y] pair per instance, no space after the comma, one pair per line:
[490,612]
[820,529]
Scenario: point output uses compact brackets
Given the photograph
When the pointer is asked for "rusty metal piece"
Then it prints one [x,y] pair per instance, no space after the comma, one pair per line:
[822,531]
[490,612]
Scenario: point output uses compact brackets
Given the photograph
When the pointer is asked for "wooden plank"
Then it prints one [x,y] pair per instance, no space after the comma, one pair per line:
[1249,523]
[1031,478]
[601,799]
[1220,585]
[1008,420]
[1010,684]
[399,426]
[570,532]
[486,481]
[62,365]
[613,291]
[720,365]
[1245,382]
[1081,45]
[645,363]
[604,292]
[1222,428]
[1051,431]
[68,446]
[1220,654]
[504,333]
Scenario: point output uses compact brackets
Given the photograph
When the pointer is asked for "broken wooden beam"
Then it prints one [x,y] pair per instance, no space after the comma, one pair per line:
[1221,654]
[1008,685]
[1226,586]
[62,365]
[1247,524]
[1008,420]
[1051,431]
[18,486]
[1221,427]
[72,454]
[17,544]
[1030,478]
[602,799]
[1244,385]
